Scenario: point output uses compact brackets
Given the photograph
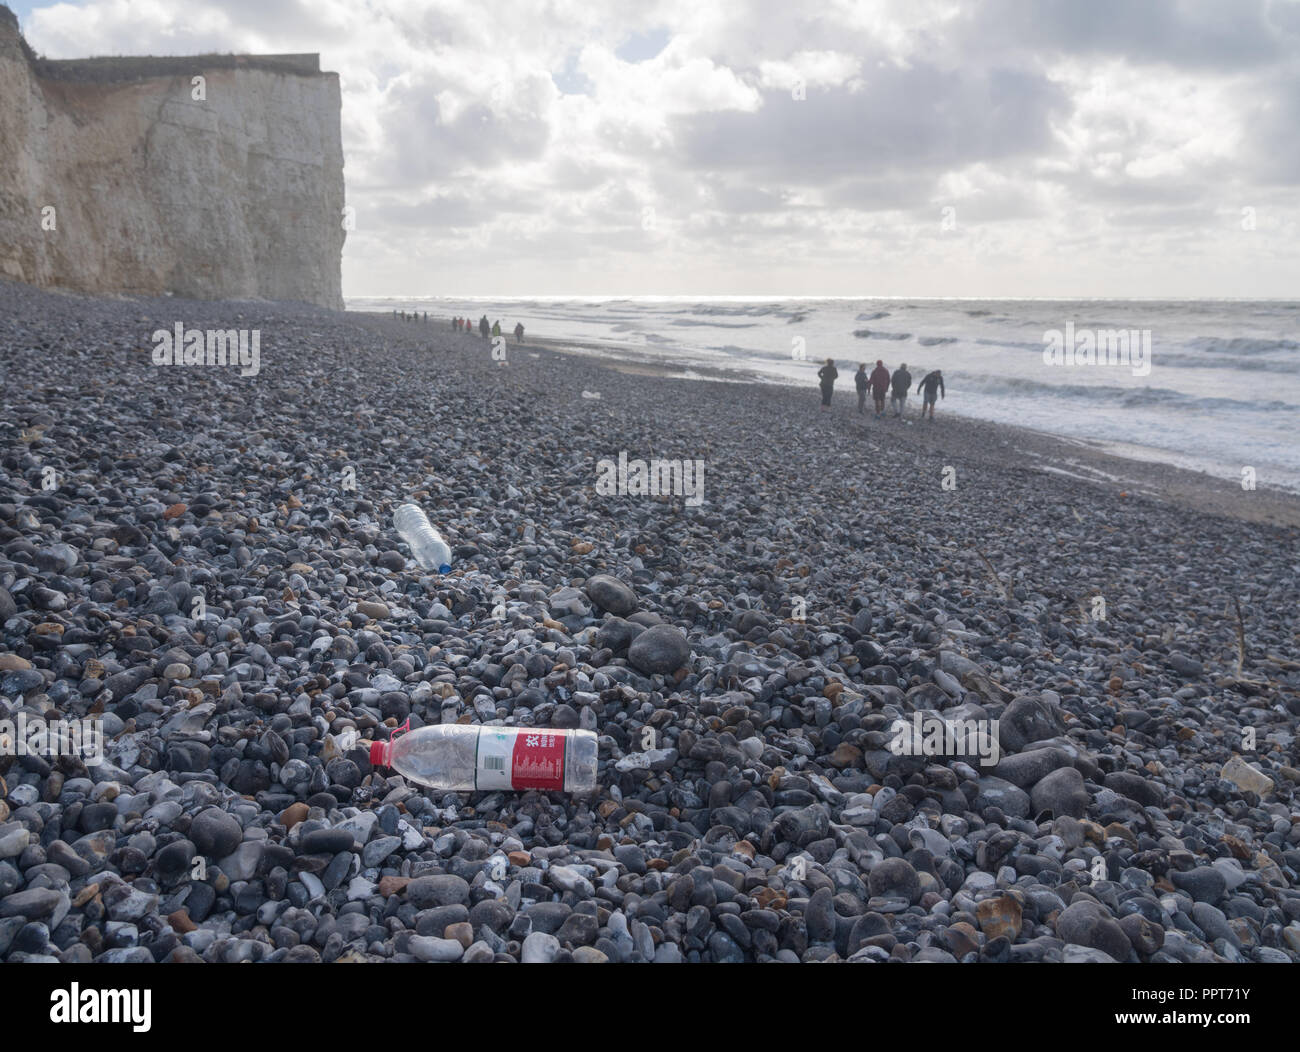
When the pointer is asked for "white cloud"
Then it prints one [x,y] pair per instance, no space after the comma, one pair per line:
[815,69]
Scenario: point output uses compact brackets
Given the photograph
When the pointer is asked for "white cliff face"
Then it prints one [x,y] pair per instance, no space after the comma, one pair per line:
[237,195]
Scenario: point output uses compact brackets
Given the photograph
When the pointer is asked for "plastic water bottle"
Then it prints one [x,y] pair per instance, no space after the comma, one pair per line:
[462,757]
[426,543]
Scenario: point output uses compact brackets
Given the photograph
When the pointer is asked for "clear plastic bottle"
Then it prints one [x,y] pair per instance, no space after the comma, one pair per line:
[426,543]
[463,757]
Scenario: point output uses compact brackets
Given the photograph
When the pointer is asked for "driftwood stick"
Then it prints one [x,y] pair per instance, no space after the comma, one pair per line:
[1006,593]
[1241,639]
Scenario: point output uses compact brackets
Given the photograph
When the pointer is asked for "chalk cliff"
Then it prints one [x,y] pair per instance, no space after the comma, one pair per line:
[114,178]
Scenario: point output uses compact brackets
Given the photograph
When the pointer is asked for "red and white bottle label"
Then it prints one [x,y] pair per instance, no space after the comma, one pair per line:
[520,758]
[538,760]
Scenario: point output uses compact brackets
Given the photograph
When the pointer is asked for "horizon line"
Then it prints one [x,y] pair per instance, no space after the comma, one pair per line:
[595,297]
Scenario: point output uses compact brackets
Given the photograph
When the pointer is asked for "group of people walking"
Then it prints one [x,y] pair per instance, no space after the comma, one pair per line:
[485,330]
[880,381]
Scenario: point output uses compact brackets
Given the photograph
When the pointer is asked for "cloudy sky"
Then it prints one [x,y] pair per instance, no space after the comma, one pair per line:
[680,147]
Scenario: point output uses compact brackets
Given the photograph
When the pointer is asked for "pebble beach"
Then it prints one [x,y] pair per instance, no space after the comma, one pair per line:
[204,563]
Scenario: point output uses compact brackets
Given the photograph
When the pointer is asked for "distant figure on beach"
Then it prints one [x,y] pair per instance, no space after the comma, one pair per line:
[860,382]
[496,327]
[426,317]
[826,376]
[483,327]
[933,382]
[455,324]
[519,332]
[879,385]
[902,380]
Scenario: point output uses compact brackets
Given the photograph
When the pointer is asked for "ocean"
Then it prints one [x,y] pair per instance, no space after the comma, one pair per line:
[1218,392]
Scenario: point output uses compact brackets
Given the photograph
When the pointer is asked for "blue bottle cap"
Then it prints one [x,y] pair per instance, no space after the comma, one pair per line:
[444,568]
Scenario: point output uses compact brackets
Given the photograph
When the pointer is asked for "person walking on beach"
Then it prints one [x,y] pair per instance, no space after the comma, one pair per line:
[902,380]
[826,376]
[496,327]
[860,382]
[483,327]
[879,385]
[932,383]
[519,332]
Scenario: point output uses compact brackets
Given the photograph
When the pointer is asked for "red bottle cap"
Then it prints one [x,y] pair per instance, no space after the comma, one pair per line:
[381,751]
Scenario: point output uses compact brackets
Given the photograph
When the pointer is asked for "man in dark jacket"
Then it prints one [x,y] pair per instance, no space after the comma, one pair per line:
[902,381]
[860,382]
[826,377]
[484,328]
[932,384]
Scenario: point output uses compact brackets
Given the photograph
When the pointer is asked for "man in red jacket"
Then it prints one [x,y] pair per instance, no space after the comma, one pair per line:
[879,381]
